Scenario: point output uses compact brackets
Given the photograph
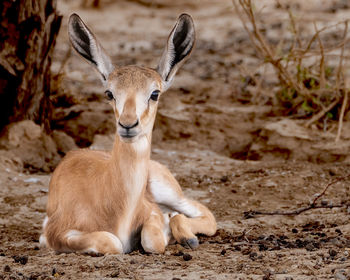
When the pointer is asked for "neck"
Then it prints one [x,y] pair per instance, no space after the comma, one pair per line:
[130,162]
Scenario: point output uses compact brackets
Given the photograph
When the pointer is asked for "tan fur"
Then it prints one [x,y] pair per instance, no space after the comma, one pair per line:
[102,202]
[92,191]
[183,227]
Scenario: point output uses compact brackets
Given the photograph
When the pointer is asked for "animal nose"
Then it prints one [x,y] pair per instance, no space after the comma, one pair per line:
[128,126]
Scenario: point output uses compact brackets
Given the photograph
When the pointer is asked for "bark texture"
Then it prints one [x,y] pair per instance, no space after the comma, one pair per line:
[28,31]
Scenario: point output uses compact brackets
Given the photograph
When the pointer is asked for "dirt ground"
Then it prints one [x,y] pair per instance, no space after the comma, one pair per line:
[233,152]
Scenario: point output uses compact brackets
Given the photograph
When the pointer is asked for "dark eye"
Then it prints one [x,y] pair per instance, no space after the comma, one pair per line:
[109,95]
[154,95]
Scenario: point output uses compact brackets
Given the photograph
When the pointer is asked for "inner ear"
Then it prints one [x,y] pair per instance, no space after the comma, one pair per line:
[86,44]
[179,46]
[182,43]
[81,40]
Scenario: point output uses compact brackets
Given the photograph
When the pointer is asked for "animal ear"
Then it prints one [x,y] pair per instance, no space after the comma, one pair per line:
[86,44]
[178,49]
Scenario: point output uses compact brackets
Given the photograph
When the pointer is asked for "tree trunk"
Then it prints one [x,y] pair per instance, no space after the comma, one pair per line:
[28,30]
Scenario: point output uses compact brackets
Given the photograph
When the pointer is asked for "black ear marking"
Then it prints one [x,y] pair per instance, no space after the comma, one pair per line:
[81,42]
[179,46]
[87,45]
[182,43]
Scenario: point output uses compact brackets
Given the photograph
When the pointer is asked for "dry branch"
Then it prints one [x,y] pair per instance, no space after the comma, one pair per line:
[341,117]
[312,90]
[263,47]
[310,206]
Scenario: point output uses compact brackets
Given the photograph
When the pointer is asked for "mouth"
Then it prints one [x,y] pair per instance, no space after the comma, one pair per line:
[127,136]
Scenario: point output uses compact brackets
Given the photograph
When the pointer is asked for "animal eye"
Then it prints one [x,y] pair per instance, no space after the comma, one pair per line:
[154,95]
[109,95]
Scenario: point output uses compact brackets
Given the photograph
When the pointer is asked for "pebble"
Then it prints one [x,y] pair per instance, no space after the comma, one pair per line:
[224,179]
[253,255]
[114,274]
[7,268]
[187,257]
[332,252]
[340,276]
[310,247]
[20,259]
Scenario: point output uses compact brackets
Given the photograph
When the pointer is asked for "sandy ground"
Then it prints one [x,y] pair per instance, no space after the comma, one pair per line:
[227,151]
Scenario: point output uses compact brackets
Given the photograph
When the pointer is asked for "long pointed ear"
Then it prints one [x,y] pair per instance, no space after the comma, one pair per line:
[178,49]
[86,44]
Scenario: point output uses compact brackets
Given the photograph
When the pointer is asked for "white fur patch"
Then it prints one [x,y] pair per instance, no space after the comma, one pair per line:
[141,145]
[147,243]
[164,194]
[90,250]
[46,220]
[166,229]
[185,207]
[43,241]
[73,233]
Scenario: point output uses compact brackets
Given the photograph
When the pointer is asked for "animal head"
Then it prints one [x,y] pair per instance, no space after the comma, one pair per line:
[134,91]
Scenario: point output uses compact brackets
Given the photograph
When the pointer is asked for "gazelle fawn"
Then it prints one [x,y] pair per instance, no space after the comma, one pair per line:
[109,202]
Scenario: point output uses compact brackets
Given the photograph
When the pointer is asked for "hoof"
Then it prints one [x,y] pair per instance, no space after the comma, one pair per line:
[190,243]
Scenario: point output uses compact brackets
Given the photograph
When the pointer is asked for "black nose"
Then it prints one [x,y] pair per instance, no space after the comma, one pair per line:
[127,126]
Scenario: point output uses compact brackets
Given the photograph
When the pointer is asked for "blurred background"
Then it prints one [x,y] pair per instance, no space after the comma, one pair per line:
[257,118]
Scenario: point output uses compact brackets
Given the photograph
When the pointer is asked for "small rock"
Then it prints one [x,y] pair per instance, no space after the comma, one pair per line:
[31,180]
[7,268]
[253,255]
[324,202]
[223,252]
[54,272]
[338,231]
[224,179]
[263,247]
[20,259]
[246,251]
[114,274]
[340,276]
[310,247]
[333,171]
[187,257]
[332,252]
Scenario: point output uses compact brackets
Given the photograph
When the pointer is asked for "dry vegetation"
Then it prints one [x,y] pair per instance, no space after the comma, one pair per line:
[309,85]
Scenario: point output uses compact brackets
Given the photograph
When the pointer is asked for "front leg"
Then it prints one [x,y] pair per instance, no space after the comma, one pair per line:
[194,217]
[155,233]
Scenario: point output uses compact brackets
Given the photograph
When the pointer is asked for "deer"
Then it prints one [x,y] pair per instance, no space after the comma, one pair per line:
[112,202]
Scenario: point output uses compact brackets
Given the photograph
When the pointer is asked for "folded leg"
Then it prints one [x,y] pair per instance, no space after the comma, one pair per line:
[189,217]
